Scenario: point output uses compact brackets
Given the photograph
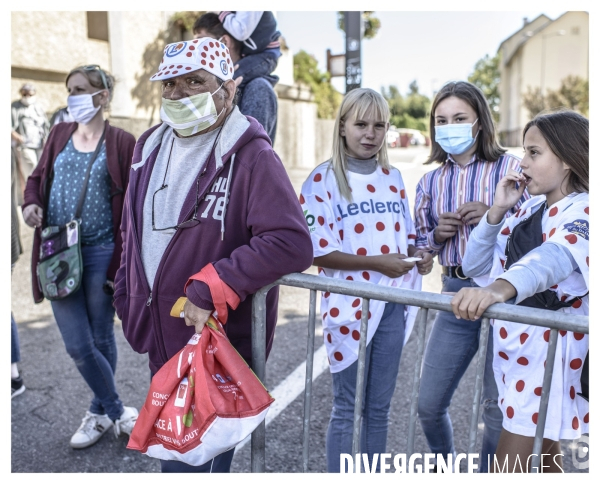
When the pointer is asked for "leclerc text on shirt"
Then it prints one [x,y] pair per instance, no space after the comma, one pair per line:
[370,207]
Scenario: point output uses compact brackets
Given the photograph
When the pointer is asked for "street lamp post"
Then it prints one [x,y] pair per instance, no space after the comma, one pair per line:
[543,71]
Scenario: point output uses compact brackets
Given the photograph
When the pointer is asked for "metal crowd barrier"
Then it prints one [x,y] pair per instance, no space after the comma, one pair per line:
[424,300]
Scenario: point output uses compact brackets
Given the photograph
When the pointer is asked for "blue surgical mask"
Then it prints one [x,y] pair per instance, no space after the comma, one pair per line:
[456,138]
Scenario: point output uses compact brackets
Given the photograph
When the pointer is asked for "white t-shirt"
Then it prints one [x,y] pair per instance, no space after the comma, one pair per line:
[376,222]
[520,350]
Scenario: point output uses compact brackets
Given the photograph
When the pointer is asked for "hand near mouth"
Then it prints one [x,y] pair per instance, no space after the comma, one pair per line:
[508,193]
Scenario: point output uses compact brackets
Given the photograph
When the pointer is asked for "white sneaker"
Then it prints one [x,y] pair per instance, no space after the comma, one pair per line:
[93,426]
[126,422]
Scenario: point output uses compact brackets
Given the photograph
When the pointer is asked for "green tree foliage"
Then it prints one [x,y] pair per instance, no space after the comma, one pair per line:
[486,76]
[185,20]
[306,71]
[410,111]
[371,24]
[573,93]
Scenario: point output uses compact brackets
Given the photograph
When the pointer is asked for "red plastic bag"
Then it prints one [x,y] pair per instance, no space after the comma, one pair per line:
[203,401]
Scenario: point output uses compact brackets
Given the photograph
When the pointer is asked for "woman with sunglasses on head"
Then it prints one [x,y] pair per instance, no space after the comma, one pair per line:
[449,204]
[85,317]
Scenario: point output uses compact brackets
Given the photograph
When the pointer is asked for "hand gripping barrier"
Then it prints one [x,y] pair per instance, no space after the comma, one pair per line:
[425,300]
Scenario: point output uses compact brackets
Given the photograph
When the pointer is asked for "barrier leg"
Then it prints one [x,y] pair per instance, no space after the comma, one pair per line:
[541,421]
[259,352]
[360,376]
[421,324]
[483,340]
[310,354]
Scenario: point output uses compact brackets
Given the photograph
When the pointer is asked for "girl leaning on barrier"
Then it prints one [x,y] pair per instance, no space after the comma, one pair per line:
[85,317]
[357,212]
[449,204]
[555,169]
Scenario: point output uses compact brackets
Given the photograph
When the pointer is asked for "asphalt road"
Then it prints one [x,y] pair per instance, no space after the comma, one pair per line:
[46,415]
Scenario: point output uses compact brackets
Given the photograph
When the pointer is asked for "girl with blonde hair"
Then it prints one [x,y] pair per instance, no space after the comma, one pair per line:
[359,219]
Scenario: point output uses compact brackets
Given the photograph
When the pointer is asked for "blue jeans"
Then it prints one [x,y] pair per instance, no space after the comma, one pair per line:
[218,464]
[451,347]
[85,321]
[256,65]
[381,369]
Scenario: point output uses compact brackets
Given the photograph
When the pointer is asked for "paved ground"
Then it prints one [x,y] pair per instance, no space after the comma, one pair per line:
[46,415]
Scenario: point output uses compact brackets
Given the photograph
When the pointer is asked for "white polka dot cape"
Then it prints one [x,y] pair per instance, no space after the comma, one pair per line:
[520,350]
[376,222]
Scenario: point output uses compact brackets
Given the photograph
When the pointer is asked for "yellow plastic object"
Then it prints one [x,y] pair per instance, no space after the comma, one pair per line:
[177,309]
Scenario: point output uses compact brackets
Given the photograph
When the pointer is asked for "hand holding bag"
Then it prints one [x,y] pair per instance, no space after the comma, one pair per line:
[203,401]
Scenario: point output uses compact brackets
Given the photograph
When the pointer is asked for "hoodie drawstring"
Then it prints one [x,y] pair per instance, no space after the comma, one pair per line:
[226,197]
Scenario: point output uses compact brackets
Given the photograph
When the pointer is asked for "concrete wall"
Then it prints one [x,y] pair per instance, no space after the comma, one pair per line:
[132,54]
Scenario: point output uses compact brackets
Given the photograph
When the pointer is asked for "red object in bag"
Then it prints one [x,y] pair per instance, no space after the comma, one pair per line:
[202,402]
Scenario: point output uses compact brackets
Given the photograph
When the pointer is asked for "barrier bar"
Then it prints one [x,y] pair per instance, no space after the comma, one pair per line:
[310,356]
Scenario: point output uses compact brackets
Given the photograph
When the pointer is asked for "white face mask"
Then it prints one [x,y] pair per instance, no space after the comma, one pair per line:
[28,101]
[82,107]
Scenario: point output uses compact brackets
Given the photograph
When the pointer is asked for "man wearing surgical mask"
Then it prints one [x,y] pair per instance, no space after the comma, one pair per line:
[29,128]
[207,194]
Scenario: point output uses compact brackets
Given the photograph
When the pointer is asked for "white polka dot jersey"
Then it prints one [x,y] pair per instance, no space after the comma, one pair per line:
[377,221]
[520,349]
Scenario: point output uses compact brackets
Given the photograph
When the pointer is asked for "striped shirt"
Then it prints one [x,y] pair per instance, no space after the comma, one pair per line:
[447,188]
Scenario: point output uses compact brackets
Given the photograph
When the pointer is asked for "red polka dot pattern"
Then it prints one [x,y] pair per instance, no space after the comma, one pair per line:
[571,238]
[552,232]
[572,392]
[587,210]
[380,226]
[385,249]
[329,338]
[318,199]
[503,355]
[576,364]
[538,391]
[323,243]
[586,419]
[402,193]
[338,356]
[334,312]
[342,234]
[361,251]
[317,177]
[344,330]
[520,385]
[326,295]
[355,335]
[575,423]
[385,171]
[505,231]
[349,278]
[321,220]
[356,303]
[577,304]
[503,333]
[397,226]
[366,275]
[359,228]
[553,211]
[523,361]
[302,200]
[534,418]
[578,336]
[547,335]
[510,412]
[393,188]
[371,188]
[523,338]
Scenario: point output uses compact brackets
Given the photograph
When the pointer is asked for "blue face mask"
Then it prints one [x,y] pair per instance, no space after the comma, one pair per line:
[455,139]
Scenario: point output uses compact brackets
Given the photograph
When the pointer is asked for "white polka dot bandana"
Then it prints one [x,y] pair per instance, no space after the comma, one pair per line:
[190,55]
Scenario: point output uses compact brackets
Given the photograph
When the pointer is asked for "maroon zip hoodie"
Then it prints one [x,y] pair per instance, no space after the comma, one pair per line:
[265,237]
[119,152]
